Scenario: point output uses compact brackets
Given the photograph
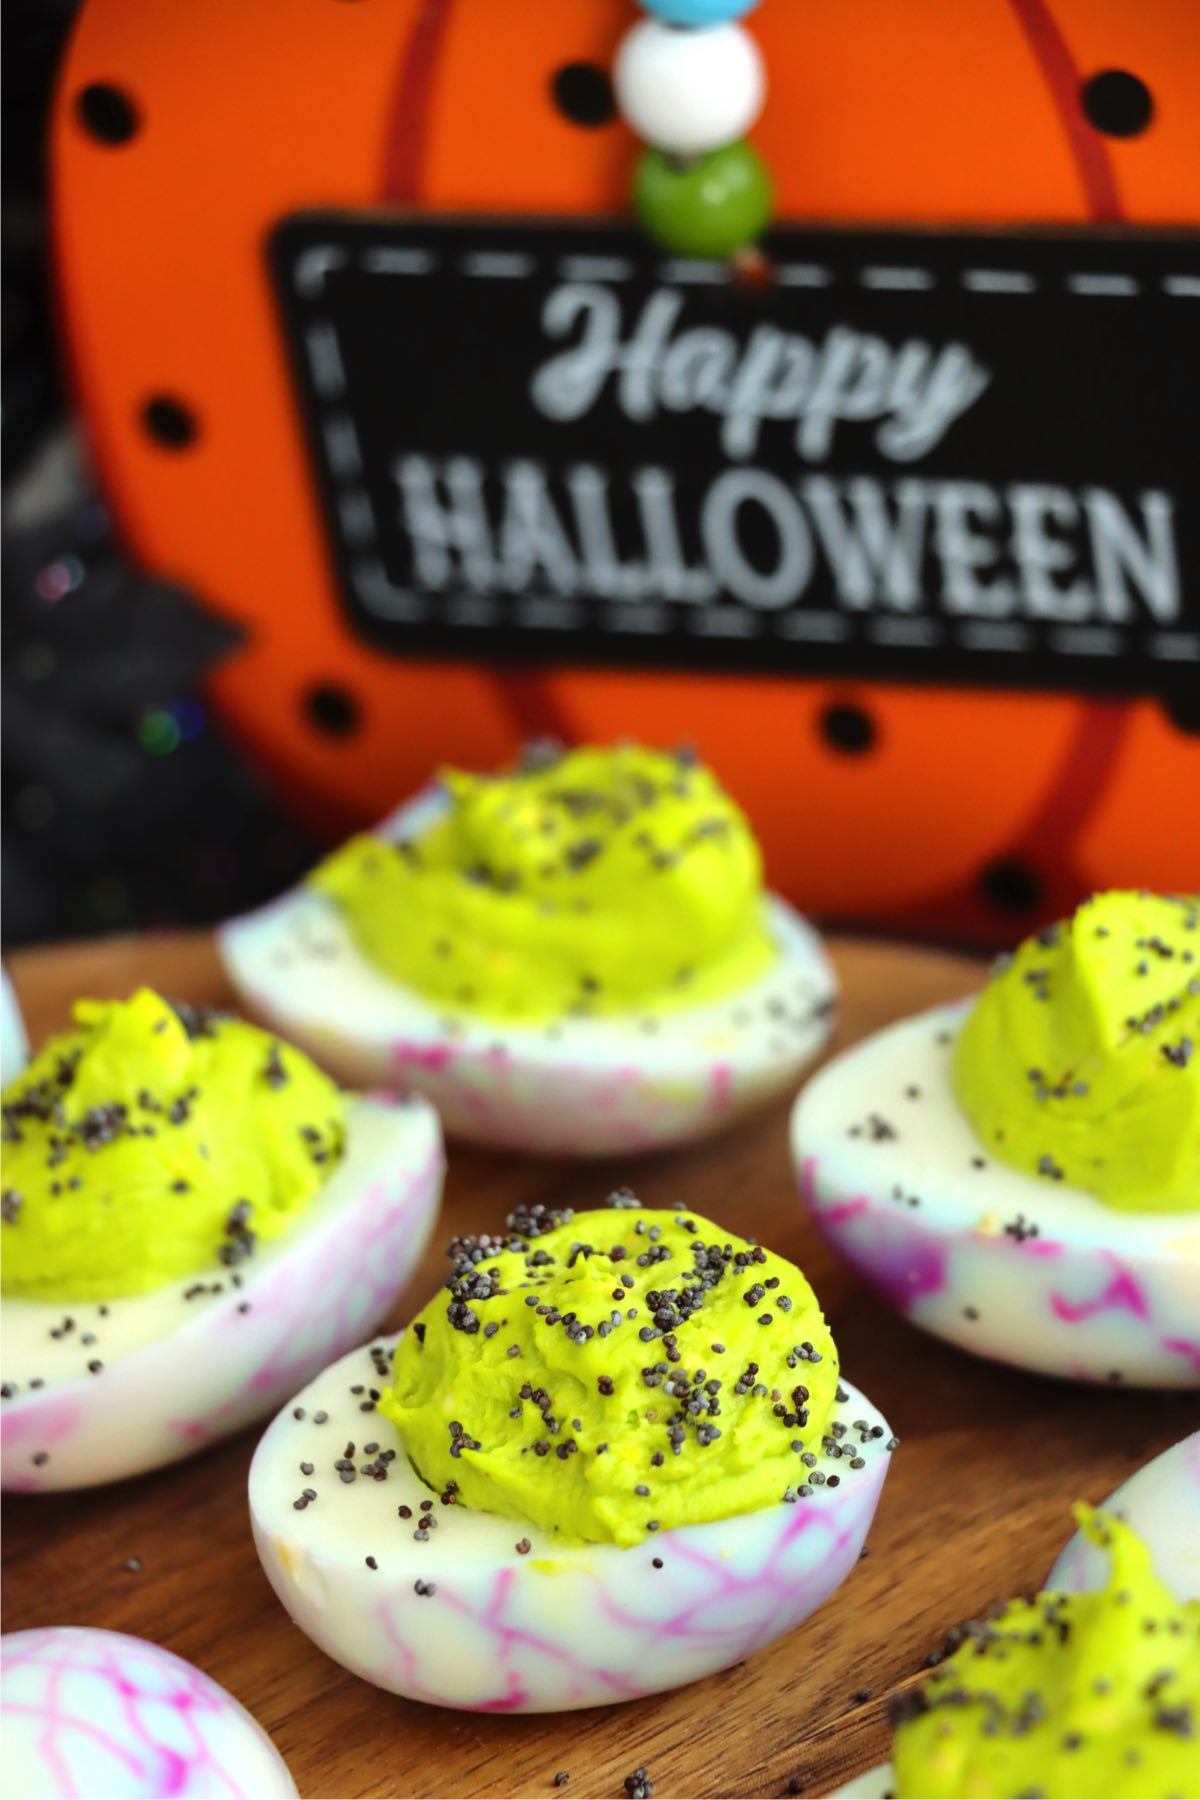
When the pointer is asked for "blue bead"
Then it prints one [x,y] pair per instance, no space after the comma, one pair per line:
[699,12]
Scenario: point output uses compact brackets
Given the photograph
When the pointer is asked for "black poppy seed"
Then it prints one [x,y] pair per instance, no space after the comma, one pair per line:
[523,1547]
[405,1512]
[371,1563]
[297,1412]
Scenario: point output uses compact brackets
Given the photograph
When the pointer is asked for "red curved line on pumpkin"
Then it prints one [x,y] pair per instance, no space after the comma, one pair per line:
[1082,777]
[527,695]
[1077,787]
[408,110]
[1091,756]
[1061,75]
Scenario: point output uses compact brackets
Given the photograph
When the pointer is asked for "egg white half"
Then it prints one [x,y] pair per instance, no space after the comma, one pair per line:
[1161,1502]
[552,1627]
[96,1712]
[201,1357]
[579,1087]
[1011,1266]
[876,1784]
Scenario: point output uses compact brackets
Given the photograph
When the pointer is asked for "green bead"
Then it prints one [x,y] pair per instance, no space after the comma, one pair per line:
[713,206]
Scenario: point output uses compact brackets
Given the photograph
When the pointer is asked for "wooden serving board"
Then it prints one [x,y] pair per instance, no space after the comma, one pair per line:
[975,1507]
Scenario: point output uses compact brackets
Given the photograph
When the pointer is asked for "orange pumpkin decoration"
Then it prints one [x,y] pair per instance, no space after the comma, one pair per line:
[183,134]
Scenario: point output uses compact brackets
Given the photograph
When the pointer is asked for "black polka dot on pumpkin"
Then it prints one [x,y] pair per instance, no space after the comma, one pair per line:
[583,93]
[170,422]
[848,729]
[332,709]
[1183,709]
[1117,103]
[1010,886]
[106,113]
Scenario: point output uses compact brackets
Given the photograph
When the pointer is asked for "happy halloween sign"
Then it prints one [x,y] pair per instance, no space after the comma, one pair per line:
[954,457]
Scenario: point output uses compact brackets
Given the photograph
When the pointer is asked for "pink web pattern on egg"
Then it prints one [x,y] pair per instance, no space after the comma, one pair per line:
[497,1097]
[700,1615]
[94,1695]
[903,1260]
[316,1314]
[1121,1291]
[40,1427]
[1063,1302]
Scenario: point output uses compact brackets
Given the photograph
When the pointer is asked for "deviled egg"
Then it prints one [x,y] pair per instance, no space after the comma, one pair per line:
[576,956]
[89,1712]
[193,1219]
[1161,1503]
[1064,1694]
[614,1455]
[1021,1173]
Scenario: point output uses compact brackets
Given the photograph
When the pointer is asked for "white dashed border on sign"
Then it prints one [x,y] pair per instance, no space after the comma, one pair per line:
[312,268]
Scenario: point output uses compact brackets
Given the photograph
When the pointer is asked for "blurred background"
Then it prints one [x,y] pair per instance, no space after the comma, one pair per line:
[201,684]
[126,803]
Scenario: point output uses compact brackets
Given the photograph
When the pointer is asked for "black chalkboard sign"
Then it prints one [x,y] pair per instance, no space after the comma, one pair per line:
[954,457]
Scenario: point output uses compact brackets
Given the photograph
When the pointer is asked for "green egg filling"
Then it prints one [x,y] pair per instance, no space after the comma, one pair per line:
[1080,1061]
[153,1142]
[615,1373]
[602,881]
[1064,1694]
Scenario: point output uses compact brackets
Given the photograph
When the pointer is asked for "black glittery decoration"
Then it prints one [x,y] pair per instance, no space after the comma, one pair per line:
[123,805]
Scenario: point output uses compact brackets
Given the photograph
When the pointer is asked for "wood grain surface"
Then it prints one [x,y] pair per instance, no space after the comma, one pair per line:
[974,1509]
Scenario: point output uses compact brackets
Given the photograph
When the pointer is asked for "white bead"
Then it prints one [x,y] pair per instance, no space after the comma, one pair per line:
[689,91]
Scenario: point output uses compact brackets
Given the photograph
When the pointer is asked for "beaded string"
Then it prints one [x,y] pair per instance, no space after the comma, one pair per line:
[690,81]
